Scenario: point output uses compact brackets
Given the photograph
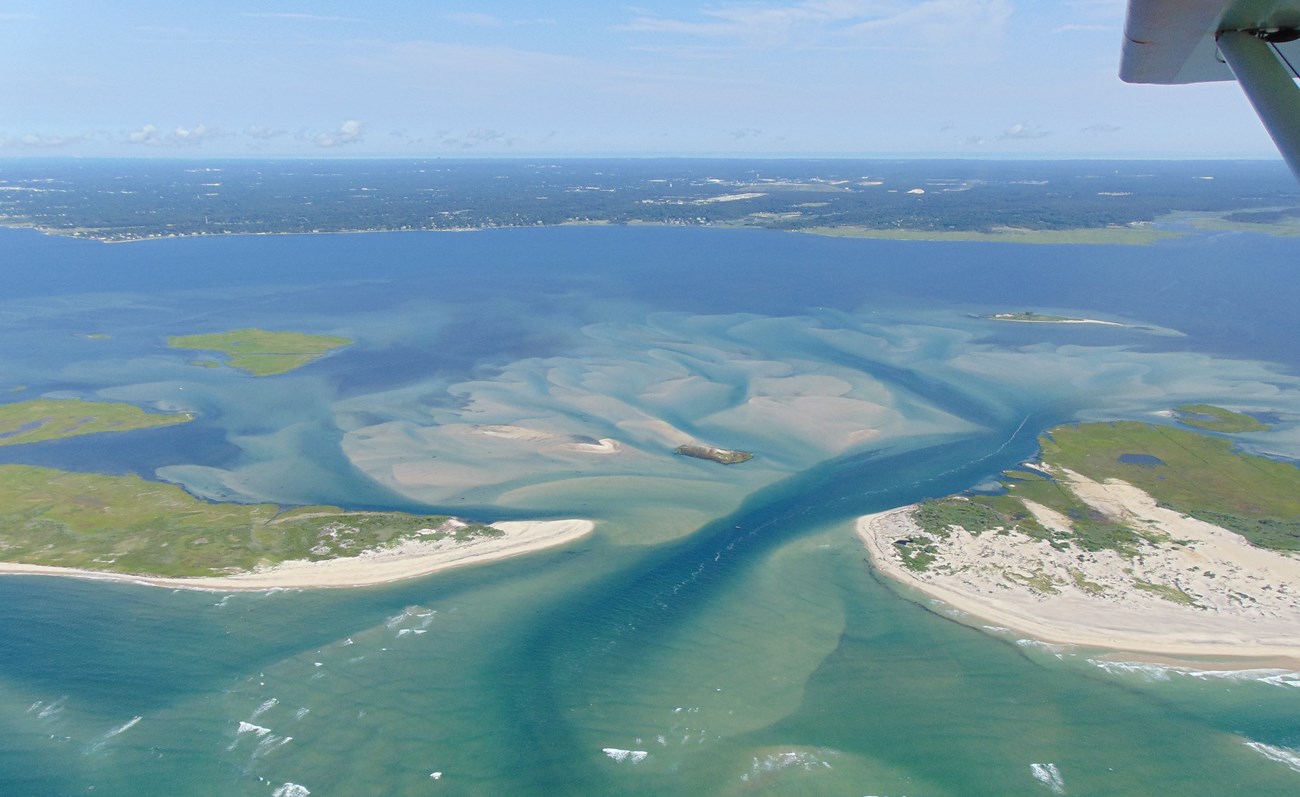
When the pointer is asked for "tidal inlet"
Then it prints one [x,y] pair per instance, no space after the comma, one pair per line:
[718,631]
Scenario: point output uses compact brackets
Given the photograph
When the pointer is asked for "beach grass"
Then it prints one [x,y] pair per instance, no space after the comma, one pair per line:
[261,352]
[40,420]
[126,524]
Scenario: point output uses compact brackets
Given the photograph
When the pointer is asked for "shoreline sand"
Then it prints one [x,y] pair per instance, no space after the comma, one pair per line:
[411,559]
[1247,598]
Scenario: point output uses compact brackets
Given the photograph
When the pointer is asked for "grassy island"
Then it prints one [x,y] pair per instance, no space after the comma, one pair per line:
[40,420]
[126,524]
[1198,475]
[725,456]
[1217,419]
[261,352]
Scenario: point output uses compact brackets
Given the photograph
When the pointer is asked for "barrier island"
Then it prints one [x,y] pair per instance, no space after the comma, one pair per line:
[1123,535]
[261,352]
[126,524]
[125,528]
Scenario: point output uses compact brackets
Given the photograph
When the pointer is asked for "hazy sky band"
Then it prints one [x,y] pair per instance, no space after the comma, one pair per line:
[966,78]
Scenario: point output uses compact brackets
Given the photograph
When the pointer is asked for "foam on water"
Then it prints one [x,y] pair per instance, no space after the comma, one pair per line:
[775,762]
[1283,755]
[248,727]
[99,743]
[46,710]
[1049,776]
[244,729]
[266,706]
[290,790]
[1058,651]
[123,728]
[1162,672]
[620,755]
[269,743]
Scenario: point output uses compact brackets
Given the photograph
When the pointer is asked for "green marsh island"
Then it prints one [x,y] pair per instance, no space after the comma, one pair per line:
[1170,539]
[1217,419]
[41,420]
[261,352]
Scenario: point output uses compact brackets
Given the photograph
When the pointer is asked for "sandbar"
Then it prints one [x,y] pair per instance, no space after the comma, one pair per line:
[1244,601]
[410,559]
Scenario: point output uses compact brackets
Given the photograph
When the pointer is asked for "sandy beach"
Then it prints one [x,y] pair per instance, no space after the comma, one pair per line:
[1231,599]
[409,560]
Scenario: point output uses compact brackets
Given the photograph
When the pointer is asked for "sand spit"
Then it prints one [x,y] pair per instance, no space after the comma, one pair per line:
[411,559]
[1205,592]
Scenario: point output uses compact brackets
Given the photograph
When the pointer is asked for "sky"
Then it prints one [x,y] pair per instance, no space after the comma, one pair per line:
[747,78]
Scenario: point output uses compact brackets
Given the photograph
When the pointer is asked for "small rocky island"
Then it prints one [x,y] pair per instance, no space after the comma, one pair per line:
[724,455]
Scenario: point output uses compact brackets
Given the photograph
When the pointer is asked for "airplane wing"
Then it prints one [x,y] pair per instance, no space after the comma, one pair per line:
[1257,42]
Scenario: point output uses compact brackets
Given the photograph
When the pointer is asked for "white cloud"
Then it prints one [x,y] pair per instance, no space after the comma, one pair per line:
[145,135]
[478,137]
[350,132]
[42,141]
[191,135]
[151,136]
[1024,131]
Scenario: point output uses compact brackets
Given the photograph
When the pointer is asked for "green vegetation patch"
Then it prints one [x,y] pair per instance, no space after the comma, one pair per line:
[1141,235]
[1282,222]
[260,352]
[1200,475]
[125,524]
[54,419]
[1165,591]
[1218,419]
[1197,474]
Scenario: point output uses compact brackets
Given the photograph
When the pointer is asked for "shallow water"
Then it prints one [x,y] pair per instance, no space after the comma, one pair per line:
[722,621]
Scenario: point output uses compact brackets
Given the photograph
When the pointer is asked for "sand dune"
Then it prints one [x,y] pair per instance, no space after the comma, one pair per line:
[1210,593]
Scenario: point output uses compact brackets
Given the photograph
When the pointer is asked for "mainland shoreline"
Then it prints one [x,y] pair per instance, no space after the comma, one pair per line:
[407,560]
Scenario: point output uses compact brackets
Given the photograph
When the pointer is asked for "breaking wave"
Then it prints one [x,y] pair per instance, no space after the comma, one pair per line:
[1049,776]
[1163,672]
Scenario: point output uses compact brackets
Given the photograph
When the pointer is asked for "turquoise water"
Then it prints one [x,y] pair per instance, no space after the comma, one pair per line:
[721,632]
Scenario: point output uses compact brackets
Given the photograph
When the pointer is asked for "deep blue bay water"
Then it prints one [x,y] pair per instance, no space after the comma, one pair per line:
[721,620]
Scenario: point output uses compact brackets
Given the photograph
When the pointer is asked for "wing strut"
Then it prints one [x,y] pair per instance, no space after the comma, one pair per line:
[1268,86]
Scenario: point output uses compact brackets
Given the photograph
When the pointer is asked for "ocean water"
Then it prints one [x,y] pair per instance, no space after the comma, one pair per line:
[721,632]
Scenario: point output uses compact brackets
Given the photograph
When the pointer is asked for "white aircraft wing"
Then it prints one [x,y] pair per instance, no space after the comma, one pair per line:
[1257,42]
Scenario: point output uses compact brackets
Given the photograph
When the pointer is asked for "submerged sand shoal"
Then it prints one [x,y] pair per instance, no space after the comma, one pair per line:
[410,559]
[1245,601]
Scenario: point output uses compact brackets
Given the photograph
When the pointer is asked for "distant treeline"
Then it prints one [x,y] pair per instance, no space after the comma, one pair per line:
[123,199]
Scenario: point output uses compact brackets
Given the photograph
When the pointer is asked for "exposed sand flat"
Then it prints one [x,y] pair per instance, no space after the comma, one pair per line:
[1230,598]
[513,432]
[1013,319]
[410,559]
[605,445]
